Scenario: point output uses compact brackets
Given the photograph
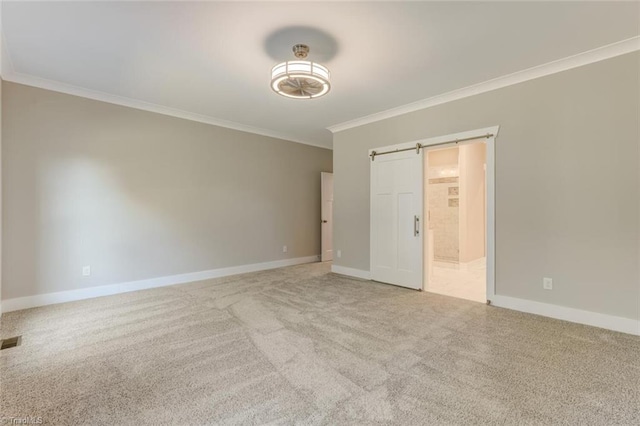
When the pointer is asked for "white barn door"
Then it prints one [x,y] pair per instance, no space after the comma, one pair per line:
[396,219]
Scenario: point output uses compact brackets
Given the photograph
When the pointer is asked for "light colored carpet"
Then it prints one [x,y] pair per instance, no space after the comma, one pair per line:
[300,345]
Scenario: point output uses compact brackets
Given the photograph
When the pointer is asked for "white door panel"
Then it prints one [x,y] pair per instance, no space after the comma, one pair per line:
[326,183]
[385,252]
[405,231]
[396,203]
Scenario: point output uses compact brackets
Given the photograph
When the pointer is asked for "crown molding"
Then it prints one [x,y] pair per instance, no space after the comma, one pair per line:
[574,61]
[42,83]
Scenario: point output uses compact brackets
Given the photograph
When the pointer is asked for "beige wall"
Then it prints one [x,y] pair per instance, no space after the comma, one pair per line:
[567,183]
[139,195]
[443,157]
[472,201]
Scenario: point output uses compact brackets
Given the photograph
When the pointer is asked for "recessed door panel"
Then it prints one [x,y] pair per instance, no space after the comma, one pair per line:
[396,211]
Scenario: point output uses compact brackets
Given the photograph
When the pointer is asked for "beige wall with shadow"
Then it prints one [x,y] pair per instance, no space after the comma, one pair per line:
[139,195]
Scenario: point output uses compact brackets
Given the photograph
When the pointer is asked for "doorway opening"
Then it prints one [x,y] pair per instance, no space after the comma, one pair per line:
[399,221]
[455,206]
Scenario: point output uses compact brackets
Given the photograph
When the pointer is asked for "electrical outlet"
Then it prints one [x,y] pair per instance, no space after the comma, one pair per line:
[547,283]
[86,271]
[284,249]
[339,254]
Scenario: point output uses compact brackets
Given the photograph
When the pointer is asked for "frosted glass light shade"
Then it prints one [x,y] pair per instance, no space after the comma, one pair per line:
[300,79]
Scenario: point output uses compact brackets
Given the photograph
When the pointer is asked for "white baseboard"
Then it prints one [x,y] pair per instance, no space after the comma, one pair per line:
[27,302]
[610,322]
[351,272]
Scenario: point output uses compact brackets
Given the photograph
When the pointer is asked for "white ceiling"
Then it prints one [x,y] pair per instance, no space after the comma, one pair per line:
[214,58]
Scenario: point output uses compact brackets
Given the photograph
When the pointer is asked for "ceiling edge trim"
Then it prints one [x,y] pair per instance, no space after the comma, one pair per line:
[570,62]
[42,83]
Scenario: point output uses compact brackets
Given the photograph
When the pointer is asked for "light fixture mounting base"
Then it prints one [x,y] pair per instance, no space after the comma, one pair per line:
[300,51]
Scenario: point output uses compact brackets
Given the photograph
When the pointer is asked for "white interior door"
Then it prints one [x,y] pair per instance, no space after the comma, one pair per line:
[326,216]
[396,219]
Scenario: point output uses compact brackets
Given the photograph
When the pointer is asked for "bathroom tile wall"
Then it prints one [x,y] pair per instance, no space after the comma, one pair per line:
[445,217]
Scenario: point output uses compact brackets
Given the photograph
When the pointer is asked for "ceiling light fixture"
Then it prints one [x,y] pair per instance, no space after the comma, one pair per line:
[300,79]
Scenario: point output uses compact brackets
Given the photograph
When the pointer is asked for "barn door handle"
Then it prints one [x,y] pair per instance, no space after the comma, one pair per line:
[416,226]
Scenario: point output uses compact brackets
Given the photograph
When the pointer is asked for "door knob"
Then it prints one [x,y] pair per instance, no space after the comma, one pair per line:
[323,221]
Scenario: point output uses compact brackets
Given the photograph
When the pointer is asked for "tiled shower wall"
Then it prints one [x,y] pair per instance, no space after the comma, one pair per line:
[445,217]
